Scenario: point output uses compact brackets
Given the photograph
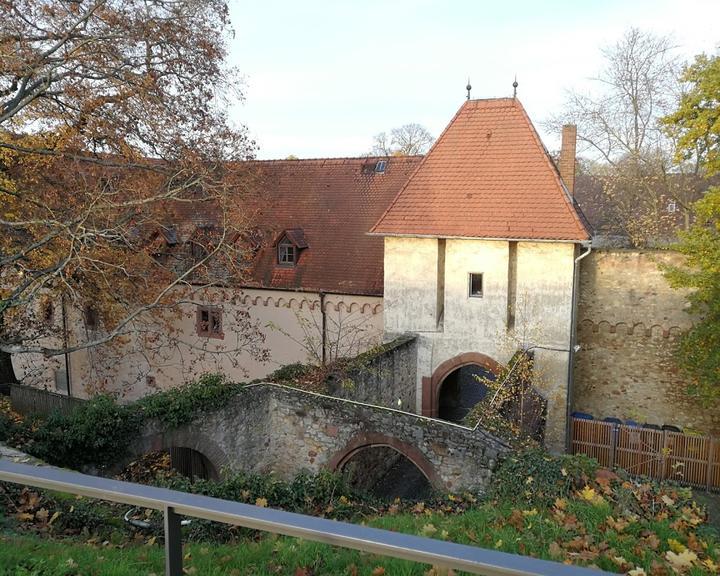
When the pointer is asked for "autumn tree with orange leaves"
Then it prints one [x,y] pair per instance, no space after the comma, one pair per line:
[113,131]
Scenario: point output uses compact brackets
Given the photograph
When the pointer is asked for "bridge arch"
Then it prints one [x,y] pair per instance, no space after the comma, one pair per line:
[196,442]
[433,384]
[376,440]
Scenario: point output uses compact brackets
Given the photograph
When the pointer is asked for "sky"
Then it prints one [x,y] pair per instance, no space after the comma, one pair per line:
[322,77]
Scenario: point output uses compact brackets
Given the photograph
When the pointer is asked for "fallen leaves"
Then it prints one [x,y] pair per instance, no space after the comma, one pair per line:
[555,550]
[681,562]
[617,525]
[440,571]
[516,519]
[590,495]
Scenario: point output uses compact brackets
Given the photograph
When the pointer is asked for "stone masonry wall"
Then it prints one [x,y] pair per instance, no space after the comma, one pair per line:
[385,379]
[274,429]
[316,431]
[629,324]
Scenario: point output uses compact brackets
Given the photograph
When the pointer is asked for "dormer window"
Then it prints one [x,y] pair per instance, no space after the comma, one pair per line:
[202,242]
[289,246]
[380,166]
[287,254]
[198,251]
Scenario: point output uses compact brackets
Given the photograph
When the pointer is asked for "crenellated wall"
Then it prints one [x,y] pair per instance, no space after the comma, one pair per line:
[629,324]
[288,325]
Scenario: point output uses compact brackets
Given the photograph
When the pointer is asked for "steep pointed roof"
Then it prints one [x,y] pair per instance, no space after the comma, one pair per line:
[487,176]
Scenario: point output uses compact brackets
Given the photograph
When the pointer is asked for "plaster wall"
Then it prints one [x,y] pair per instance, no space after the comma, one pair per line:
[410,290]
[288,323]
[544,278]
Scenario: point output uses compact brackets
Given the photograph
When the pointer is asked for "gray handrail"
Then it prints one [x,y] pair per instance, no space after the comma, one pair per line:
[174,504]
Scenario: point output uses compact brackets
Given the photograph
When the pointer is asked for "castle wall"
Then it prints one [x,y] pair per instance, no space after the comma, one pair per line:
[629,325]
[289,324]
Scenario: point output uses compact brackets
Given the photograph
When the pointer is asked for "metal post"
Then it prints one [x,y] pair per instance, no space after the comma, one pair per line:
[173,543]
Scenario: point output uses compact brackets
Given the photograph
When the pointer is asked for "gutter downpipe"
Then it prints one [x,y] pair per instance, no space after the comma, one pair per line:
[573,329]
[323,328]
[65,343]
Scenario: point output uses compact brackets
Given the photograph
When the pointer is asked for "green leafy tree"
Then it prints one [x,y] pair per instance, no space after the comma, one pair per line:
[696,126]
[696,123]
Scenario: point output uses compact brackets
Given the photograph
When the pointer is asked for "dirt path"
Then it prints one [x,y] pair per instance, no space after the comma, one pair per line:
[8,453]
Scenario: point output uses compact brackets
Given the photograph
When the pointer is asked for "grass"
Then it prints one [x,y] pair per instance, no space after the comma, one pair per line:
[557,508]
[502,527]
[269,556]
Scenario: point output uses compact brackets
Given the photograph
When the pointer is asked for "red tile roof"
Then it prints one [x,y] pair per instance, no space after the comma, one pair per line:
[487,176]
[334,202]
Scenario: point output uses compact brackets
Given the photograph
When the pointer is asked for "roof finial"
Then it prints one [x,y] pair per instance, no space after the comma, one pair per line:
[515,85]
[468,88]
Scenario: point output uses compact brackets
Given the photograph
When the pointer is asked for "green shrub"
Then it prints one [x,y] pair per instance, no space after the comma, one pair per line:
[324,494]
[306,493]
[180,405]
[99,431]
[291,373]
[7,427]
[96,433]
[537,478]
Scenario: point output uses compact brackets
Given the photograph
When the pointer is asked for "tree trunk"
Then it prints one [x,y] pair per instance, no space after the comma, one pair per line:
[7,374]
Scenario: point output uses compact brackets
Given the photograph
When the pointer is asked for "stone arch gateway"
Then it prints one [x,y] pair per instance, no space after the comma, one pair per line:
[432,385]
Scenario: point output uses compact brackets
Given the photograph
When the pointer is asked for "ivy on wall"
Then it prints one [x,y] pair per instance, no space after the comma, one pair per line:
[100,431]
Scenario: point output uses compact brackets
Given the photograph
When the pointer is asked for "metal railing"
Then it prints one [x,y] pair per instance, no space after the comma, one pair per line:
[175,504]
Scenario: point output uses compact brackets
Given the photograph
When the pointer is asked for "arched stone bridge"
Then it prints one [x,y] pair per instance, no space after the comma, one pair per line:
[274,428]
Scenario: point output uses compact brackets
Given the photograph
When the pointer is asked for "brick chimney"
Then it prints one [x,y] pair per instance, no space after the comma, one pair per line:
[566,165]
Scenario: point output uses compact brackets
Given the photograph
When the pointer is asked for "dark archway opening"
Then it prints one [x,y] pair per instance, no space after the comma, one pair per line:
[461,390]
[185,461]
[192,464]
[385,473]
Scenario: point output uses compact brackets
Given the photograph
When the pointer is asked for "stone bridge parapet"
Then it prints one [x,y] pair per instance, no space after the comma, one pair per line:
[269,428]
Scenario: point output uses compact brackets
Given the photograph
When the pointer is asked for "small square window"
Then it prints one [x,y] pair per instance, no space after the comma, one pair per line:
[61,381]
[209,322]
[476,285]
[91,318]
[48,312]
[380,166]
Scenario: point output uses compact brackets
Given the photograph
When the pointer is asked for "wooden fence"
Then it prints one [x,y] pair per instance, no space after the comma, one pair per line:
[660,454]
[28,400]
